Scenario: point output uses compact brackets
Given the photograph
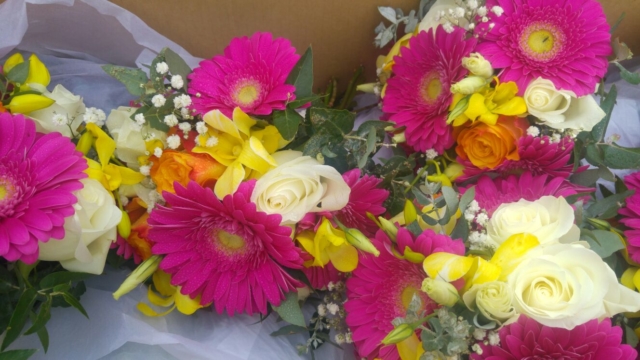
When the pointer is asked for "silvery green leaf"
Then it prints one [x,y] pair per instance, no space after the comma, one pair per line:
[399,13]
[387,35]
[412,23]
[388,13]
[380,28]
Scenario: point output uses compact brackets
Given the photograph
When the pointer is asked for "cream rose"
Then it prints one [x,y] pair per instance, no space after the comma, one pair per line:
[549,218]
[126,132]
[478,65]
[66,104]
[494,300]
[566,285]
[88,233]
[561,109]
[299,185]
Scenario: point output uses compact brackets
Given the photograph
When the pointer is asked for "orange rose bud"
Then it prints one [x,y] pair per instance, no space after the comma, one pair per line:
[488,146]
[183,167]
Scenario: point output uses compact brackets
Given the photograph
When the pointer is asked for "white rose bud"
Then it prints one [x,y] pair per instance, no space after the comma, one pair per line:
[494,300]
[478,65]
[88,233]
[300,184]
[468,85]
[66,104]
[440,291]
[561,109]
[129,141]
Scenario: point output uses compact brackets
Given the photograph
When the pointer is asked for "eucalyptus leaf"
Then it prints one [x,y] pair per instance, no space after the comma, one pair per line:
[289,330]
[619,157]
[337,123]
[315,144]
[388,12]
[451,198]
[71,300]
[387,35]
[19,73]
[43,336]
[415,228]
[604,205]
[289,310]
[62,277]
[602,242]
[177,65]
[44,314]
[287,122]
[607,104]
[628,76]
[467,198]
[22,354]
[371,146]
[594,155]
[133,79]
[364,128]
[303,101]
[630,336]
[302,75]
[19,317]
[461,230]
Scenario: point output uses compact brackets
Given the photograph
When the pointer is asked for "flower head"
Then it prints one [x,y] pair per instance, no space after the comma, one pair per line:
[631,217]
[528,339]
[565,41]
[38,174]
[381,288]
[418,95]
[251,75]
[224,250]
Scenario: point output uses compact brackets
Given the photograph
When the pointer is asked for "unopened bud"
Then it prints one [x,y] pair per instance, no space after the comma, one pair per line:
[124,227]
[478,65]
[389,228]
[400,333]
[138,276]
[356,238]
[85,142]
[469,85]
[440,291]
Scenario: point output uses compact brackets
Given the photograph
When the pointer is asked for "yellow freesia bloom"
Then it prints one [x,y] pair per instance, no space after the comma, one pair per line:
[169,296]
[24,104]
[38,72]
[410,348]
[435,214]
[245,153]
[329,244]
[631,278]
[490,102]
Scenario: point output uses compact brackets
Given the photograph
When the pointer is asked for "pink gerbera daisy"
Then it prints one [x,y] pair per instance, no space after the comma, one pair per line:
[38,174]
[527,339]
[538,155]
[418,95]
[381,288]
[251,75]
[631,214]
[365,197]
[565,41]
[226,251]
[491,193]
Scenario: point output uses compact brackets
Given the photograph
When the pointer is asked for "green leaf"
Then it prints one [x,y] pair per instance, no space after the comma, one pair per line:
[364,128]
[177,65]
[415,228]
[618,157]
[603,243]
[337,123]
[587,177]
[302,75]
[62,277]
[460,108]
[315,144]
[628,76]
[7,282]
[607,105]
[594,155]
[461,230]
[288,330]
[19,317]
[43,335]
[157,79]
[22,354]
[451,198]
[71,300]
[606,204]
[371,146]
[466,198]
[19,73]
[614,27]
[44,314]
[155,116]
[133,79]
[630,336]
[287,122]
[289,310]
[300,102]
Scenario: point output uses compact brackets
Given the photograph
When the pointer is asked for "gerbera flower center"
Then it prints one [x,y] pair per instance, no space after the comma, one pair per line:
[246,92]
[407,295]
[9,195]
[430,87]
[541,41]
[227,242]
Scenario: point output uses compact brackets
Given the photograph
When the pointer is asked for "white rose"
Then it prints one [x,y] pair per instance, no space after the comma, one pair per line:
[494,299]
[299,185]
[66,104]
[468,85]
[549,218]
[128,137]
[561,109]
[566,285]
[432,19]
[88,233]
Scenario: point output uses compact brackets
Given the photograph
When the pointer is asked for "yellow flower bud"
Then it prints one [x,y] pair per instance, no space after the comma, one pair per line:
[24,104]
[440,291]
[453,171]
[85,143]
[399,138]
[124,227]
[12,61]
[360,241]
[366,88]
[402,332]
[38,72]
[138,276]
[478,65]
[469,85]
[389,228]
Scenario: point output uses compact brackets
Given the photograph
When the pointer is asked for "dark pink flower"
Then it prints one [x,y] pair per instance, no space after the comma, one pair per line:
[38,174]
[365,197]
[631,216]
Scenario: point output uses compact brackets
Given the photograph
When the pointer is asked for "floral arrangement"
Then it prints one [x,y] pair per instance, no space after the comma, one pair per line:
[470,221]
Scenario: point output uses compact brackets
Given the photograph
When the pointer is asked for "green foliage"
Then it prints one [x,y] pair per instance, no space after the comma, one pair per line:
[287,122]
[603,243]
[302,75]
[19,73]
[17,354]
[133,79]
[289,310]
[177,65]
[628,76]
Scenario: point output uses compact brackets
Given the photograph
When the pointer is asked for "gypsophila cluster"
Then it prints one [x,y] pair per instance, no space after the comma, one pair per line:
[158,100]
[140,120]
[171,120]
[173,141]
[466,15]
[182,101]
[185,127]
[145,170]
[177,82]
[533,131]
[431,154]
[201,127]
[162,68]
[478,219]
[60,119]
[94,115]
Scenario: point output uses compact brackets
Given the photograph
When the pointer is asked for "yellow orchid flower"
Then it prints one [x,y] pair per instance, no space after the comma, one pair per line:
[111,176]
[168,296]
[38,72]
[329,244]
[11,62]
[490,102]
[433,213]
[245,153]
[151,146]
[24,104]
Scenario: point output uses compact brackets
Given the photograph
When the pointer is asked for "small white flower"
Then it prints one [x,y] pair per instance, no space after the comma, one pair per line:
[469,216]
[201,127]
[555,138]
[497,10]
[186,114]
[173,141]
[479,334]
[459,12]
[158,100]
[211,142]
[333,308]
[482,11]
[60,119]
[140,120]
[482,219]
[448,27]
[431,154]
[322,310]
[162,67]
[185,127]
[94,115]
[485,19]
[340,339]
[330,286]
[533,131]
[472,26]
[494,338]
[145,170]
[477,348]
[157,152]
[171,120]
[472,4]
[177,82]
[474,206]
[349,337]
[182,101]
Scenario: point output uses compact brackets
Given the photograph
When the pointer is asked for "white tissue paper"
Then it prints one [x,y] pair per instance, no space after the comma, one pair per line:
[74,38]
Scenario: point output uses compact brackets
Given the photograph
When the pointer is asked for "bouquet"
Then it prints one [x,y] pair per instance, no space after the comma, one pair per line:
[480,216]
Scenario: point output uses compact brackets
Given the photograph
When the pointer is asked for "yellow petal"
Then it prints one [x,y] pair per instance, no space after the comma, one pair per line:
[511,252]
[515,106]
[326,232]
[256,157]
[24,104]
[130,177]
[145,309]
[105,145]
[305,239]
[477,107]
[38,72]
[158,300]
[447,267]
[344,257]
[229,181]
[220,122]
[12,61]
[481,272]
[113,177]
[636,280]
[243,121]
[162,282]
[410,212]
[186,304]
[628,276]
[270,138]
[414,257]
[410,348]
[504,92]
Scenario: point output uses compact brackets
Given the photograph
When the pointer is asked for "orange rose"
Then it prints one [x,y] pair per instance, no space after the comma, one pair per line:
[487,146]
[183,167]
[139,237]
